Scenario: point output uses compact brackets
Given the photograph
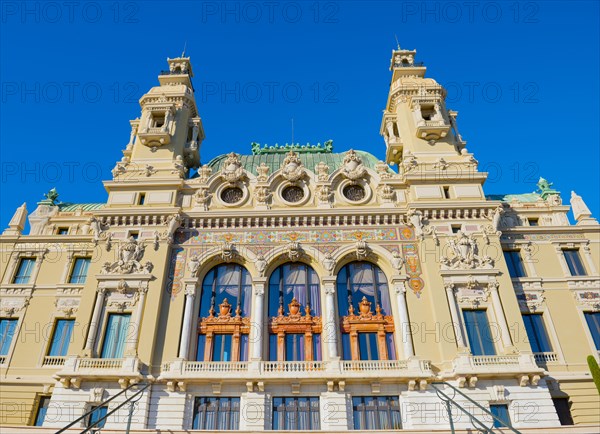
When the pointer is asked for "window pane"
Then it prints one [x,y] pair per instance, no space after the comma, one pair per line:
[297,413]
[501,412]
[96,415]
[514,263]
[24,271]
[316,346]
[391,346]
[374,413]
[479,333]
[362,279]
[7,331]
[80,270]
[368,347]
[574,262]
[273,348]
[201,347]
[42,410]
[115,336]
[294,347]
[226,281]
[346,349]
[593,321]
[536,333]
[291,281]
[222,348]
[62,337]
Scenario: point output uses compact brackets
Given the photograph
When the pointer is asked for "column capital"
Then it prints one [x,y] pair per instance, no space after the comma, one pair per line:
[258,286]
[190,290]
[329,281]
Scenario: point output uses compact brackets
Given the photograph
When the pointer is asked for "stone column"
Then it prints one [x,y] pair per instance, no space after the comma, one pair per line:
[499,312]
[93,330]
[256,324]
[456,320]
[188,319]
[406,335]
[137,321]
[329,323]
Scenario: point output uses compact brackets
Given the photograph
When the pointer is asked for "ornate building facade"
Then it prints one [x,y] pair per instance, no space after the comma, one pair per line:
[301,288]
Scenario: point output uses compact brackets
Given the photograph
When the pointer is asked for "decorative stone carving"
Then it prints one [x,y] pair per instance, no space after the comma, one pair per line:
[397,261]
[465,254]
[232,170]
[17,222]
[322,170]
[294,251]
[497,217]
[432,230]
[149,170]
[261,265]
[130,254]
[194,265]
[97,228]
[324,195]
[329,263]
[292,168]
[353,168]
[386,193]
[227,251]
[179,167]
[382,170]
[173,223]
[415,219]
[262,196]
[441,164]
[96,394]
[263,172]
[204,173]
[362,250]
[581,212]
[409,163]
[202,197]
[67,306]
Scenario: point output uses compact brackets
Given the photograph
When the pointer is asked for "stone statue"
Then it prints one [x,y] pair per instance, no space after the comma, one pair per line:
[194,265]
[292,168]
[497,217]
[202,197]
[262,195]
[382,170]
[232,170]
[129,256]
[204,173]
[353,168]
[397,261]
[96,227]
[329,263]
[261,265]
[168,119]
[415,218]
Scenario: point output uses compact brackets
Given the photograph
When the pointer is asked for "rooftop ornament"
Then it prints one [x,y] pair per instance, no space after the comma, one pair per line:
[50,198]
[325,148]
[545,188]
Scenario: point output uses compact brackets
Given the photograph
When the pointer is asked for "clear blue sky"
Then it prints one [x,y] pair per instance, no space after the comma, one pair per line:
[523,76]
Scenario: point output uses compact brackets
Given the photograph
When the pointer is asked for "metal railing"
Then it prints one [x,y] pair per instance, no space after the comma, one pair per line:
[477,424]
[547,357]
[131,401]
[54,361]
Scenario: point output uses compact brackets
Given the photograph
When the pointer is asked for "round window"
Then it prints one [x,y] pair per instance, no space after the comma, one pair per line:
[232,195]
[292,194]
[354,192]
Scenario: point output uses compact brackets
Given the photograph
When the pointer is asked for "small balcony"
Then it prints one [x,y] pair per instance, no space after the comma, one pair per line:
[155,134]
[75,369]
[432,129]
[545,358]
[496,365]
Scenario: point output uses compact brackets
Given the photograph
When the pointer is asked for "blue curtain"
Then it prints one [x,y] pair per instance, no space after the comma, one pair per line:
[200,347]
[362,279]
[244,348]
[391,346]
[317,346]
[61,338]
[367,343]
[115,337]
[593,321]
[222,348]
[294,347]
[226,281]
[536,333]
[298,281]
[479,333]
[7,331]
[80,270]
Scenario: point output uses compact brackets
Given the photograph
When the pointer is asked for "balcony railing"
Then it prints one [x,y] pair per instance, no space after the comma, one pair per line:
[51,361]
[299,366]
[183,369]
[495,360]
[99,363]
[373,365]
[549,357]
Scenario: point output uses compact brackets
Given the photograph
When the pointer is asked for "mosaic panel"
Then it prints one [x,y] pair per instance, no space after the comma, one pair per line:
[176,270]
[413,268]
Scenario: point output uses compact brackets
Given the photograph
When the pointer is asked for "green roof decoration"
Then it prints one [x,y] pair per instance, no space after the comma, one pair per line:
[72,207]
[310,157]
[50,198]
[326,148]
[545,188]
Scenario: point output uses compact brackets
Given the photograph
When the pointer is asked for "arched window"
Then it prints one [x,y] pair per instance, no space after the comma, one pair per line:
[364,306]
[224,322]
[294,311]
[295,280]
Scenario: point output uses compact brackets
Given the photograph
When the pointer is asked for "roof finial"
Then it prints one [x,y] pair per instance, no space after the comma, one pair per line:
[292,131]
[397,43]
[184,47]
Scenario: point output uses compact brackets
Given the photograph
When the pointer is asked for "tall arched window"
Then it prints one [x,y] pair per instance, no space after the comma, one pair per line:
[294,311]
[224,322]
[364,306]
